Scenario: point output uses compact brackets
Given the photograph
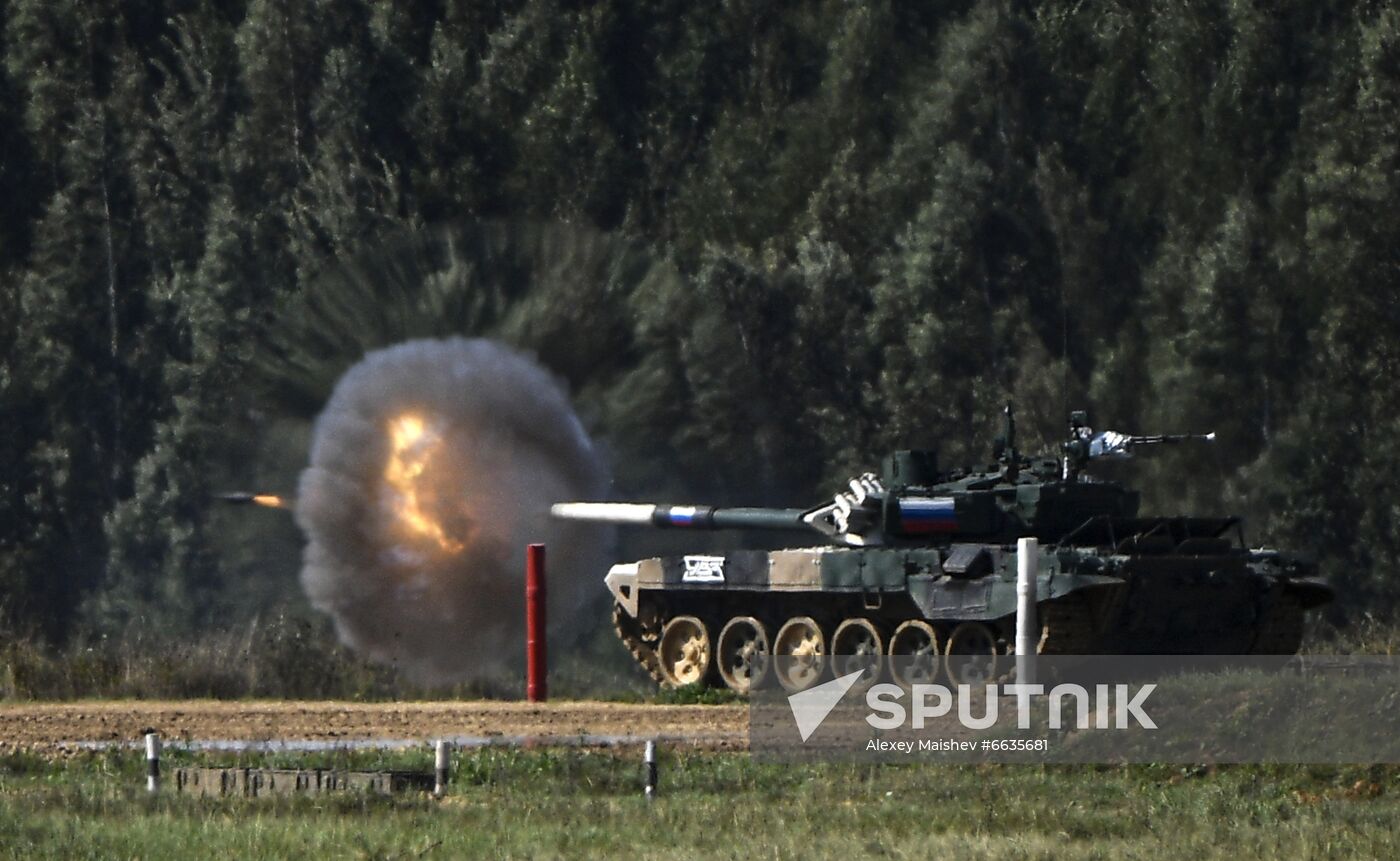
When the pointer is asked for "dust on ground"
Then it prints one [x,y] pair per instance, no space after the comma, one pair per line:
[53,726]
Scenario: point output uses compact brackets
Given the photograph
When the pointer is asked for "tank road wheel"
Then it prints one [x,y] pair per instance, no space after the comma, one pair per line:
[857,645]
[972,657]
[742,654]
[799,652]
[914,653]
[684,651]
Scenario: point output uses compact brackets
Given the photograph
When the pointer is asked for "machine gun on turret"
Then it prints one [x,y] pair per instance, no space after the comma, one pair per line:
[1084,445]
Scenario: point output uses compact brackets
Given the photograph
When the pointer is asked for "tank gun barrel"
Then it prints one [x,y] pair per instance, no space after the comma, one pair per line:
[681,516]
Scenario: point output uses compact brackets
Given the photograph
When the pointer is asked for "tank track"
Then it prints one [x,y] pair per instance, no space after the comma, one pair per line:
[1067,628]
[630,632]
[1281,628]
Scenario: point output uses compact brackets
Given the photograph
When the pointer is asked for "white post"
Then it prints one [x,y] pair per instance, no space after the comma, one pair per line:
[1027,630]
[440,759]
[152,761]
[650,758]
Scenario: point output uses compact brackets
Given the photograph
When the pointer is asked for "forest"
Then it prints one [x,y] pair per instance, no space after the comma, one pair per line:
[762,242]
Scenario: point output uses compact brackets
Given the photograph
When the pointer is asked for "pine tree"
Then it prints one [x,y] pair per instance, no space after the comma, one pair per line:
[972,278]
[571,122]
[1335,466]
[351,190]
[161,562]
[86,357]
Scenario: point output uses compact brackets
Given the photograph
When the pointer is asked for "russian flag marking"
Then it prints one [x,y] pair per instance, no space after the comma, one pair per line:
[682,515]
[924,514]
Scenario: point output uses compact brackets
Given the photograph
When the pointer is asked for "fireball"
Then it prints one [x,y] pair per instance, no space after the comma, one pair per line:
[412,444]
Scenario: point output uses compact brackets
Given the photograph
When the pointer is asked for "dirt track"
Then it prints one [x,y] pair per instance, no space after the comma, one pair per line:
[48,725]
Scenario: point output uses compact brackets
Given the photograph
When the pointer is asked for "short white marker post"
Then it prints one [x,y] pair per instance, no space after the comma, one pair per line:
[440,757]
[152,761]
[1027,631]
[650,758]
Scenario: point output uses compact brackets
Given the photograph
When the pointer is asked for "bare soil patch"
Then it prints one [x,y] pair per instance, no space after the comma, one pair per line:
[53,725]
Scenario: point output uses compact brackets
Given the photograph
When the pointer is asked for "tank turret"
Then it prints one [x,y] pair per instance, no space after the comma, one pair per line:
[911,503]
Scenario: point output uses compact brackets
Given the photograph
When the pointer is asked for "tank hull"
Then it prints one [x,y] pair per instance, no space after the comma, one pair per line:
[1090,601]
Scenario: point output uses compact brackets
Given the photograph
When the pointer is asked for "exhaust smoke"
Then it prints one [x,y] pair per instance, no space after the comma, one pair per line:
[432,466]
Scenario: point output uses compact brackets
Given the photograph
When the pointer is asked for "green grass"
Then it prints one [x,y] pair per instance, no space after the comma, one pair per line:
[695,695]
[581,803]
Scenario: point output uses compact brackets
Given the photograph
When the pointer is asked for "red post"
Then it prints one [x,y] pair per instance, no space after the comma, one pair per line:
[536,654]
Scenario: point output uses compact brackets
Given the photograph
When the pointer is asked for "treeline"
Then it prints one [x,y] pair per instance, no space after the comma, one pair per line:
[888,219]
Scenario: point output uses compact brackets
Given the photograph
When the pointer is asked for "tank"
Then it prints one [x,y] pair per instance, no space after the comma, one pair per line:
[920,564]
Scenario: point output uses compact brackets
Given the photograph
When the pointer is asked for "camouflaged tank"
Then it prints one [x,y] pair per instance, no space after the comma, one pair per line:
[921,565]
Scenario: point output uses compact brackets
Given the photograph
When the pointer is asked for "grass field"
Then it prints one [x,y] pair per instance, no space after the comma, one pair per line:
[567,803]
[570,803]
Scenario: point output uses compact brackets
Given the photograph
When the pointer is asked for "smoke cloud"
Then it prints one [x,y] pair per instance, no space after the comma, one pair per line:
[433,464]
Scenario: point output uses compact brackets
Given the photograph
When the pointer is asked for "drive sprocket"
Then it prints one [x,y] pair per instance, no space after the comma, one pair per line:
[634,637]
[1066,626]
[1280,629]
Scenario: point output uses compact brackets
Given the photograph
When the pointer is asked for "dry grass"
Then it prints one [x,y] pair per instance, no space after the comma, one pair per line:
[287,657]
